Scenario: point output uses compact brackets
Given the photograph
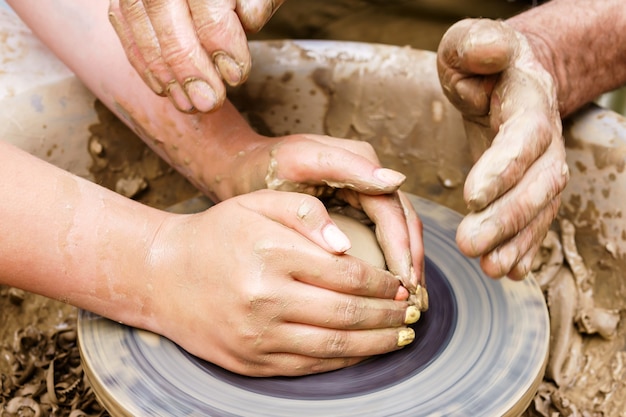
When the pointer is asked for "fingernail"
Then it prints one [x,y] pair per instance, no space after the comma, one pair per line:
[412,315]
[230,70]
[154,83]
[478,35]
[485,235]
[405,337]
[201,94]
[505,257]
[335,238]
[477,201]
[402,294]
[413,277]
[421,297]
[178,97]
[389,176]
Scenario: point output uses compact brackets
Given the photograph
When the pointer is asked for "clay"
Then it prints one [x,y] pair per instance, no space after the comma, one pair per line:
[589,318]
[437,172]
[364,243]
[585,366]
[565,341]
[122,162]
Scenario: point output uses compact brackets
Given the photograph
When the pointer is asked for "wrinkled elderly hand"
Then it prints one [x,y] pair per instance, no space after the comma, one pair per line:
[508,100]
[271,295]
[185,48]
[348,170]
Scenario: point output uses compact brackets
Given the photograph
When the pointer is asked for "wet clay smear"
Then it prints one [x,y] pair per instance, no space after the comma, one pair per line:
[585,292]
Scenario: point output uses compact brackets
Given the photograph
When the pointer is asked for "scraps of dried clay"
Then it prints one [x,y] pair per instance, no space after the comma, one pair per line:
[589,318]
[130,187]
[565,356]
[557,282]
[46,377]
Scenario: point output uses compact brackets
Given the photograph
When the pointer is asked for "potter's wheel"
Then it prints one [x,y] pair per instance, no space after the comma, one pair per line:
[480,350]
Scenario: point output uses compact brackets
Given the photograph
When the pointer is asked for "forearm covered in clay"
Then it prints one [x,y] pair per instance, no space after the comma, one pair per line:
[69,239]
[204,147]
[581,43]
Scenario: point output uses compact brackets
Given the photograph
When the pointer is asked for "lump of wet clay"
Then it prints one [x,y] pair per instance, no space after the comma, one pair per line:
[363,239]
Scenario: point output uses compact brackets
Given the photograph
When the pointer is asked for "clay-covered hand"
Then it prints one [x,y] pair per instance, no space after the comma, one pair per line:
[508,100]
[259,285]
[349,171]
[185,48]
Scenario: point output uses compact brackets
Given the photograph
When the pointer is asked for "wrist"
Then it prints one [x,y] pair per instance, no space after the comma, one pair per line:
[581,46]
[543,54]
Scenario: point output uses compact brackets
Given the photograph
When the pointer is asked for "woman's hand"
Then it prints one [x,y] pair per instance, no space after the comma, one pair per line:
[259,285]
[491,74]
[183,49]
[347,171]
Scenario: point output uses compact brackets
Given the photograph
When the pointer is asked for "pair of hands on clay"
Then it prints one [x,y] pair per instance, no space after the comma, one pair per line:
[258,283]
[487,69]
[274,297]
[208,44]
[297,305]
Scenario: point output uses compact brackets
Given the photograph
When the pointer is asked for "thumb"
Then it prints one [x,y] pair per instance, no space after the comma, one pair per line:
[470,56]
[254,14]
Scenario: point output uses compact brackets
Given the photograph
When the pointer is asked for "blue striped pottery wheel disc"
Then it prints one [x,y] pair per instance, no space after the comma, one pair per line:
[480,350]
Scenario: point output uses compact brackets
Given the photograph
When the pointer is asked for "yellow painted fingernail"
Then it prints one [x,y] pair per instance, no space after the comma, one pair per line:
[412,315]
[405,337]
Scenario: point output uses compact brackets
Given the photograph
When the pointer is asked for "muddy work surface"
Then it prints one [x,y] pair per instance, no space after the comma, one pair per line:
[40,371]
[40,364]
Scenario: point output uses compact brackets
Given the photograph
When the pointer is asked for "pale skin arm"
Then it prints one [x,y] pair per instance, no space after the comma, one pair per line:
[513,81]
[218,151]
[245,304]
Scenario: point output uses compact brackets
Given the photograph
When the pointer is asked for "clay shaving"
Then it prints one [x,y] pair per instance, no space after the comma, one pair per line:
[45,376]
[585,370]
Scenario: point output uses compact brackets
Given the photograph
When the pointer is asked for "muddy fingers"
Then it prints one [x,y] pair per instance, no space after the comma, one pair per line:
[254,14]
[185,49]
